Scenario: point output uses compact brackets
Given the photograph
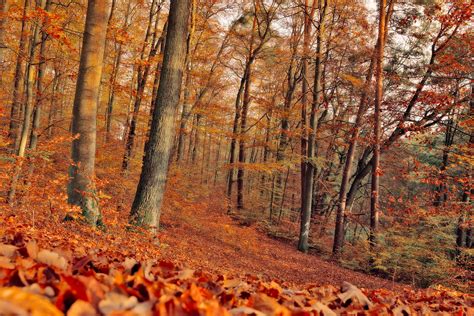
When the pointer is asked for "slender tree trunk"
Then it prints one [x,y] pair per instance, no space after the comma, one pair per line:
[187,86]
[375,191]
[309,165]
[3,19]
[81,188]
[243,117]
[242,142]
[346,173]
[30,80]
[185,113]
[197,138]
[142,76]
[233,141]
[53,104]
[146,208]
[113,78]
[15,119]
[304,98]
[217,160]
[46,4]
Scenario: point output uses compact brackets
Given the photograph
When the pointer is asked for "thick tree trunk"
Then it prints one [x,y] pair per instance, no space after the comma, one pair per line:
[146,208]
[81,188]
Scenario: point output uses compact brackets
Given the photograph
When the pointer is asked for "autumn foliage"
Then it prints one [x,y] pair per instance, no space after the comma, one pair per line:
[252,157]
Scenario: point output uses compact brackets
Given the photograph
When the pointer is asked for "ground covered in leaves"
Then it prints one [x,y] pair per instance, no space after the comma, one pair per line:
[201,263]
[38,281]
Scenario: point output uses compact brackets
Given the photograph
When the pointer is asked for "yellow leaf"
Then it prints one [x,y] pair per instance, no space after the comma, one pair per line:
[20,302]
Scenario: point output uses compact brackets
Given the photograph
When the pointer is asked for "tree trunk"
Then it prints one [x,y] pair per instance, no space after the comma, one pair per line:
[142,76]
[53,104]
[346,173]
[187,86]
[243,117]
[40,83]
[309,164]
[242,141]
[375,192]
[233,142]
[113,78]
[15,119]
[146,206]
[3,10]
[81,188]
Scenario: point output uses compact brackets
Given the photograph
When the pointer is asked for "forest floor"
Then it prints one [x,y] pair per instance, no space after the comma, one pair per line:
[203,261]
[206,238]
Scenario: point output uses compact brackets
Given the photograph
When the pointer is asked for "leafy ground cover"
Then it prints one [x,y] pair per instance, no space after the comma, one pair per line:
[38,281]
[196,266]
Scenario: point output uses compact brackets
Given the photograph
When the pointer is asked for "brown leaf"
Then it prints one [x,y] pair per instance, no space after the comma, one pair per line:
[351,293]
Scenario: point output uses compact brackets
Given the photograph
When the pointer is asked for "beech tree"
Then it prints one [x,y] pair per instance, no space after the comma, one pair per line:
[81,188]
[146,208]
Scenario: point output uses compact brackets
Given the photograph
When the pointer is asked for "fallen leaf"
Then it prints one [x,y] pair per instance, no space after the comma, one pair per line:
[52,258]
[81,308]
[7,250]
[350,293]
[32,304]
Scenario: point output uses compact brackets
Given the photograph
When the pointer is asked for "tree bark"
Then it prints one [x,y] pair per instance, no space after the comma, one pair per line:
[40,84]
[81,188]
[146,208]
[3,10]
[15,120]
[375,191]
[113,78]
[142,76]
[342,202]
[309,169]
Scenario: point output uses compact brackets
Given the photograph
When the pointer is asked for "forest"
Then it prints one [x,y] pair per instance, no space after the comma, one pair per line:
[245,157]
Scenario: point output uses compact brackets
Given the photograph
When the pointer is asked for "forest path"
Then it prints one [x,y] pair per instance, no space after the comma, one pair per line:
[205,237]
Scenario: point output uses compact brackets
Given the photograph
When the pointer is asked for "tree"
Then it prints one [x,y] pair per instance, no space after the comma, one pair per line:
[81,188]
[143,72]
[146,208]
[374,197]
[309,169]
